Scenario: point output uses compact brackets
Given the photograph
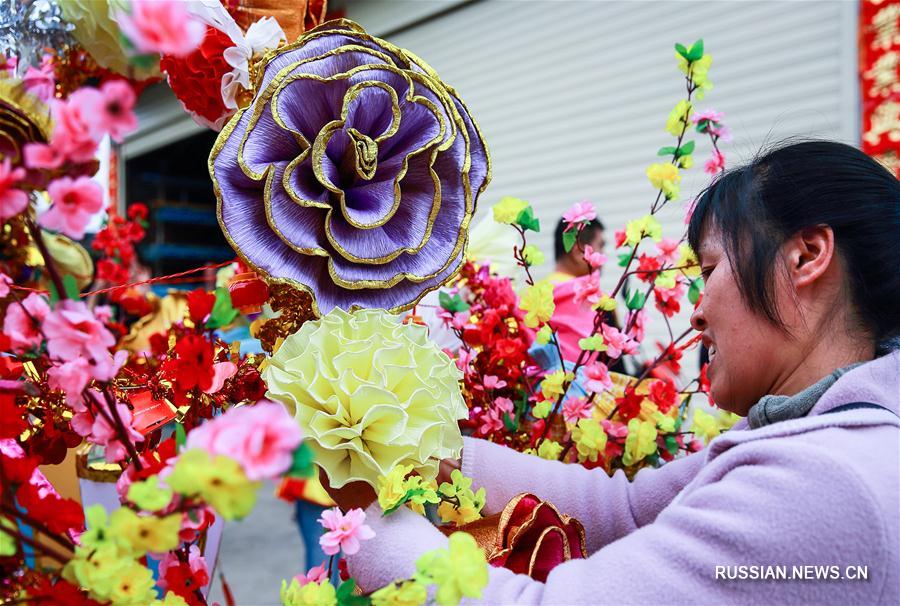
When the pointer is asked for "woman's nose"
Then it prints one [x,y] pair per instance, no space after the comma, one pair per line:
[698,320]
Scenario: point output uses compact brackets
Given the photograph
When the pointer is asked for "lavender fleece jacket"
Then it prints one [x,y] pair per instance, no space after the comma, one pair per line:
[818,490]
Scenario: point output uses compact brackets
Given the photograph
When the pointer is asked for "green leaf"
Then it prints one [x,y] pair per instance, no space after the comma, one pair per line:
[527,221]
[345,596]
[696,51]
[681,50]
[511,424]
[665,151]
[686,149]
[54,295]
[452,304]
[302,464]
[180,436]
[71,287]
[702,125]
[624,256]
[636,300]
[694,291]
[671,445]
[569,239]
[223,313]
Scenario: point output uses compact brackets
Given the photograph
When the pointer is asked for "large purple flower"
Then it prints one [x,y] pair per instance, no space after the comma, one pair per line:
[353,174]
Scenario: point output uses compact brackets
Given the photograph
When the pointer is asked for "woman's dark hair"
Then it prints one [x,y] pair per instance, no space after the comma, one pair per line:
[757,207]
[585,237]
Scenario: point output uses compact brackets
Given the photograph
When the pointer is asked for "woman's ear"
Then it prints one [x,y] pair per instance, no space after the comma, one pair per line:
[809,254]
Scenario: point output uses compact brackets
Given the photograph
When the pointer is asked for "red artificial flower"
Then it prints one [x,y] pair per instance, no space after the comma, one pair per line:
[667,301]
[183,581]
[664,394]
[112,272]
[247,384]
[196,79]
[17,470]
[200,304]
[629,405]
[10,368]
[648,267]
[12,417]
[159,343]
[671,360]
[52,444]
[138,212]
[59,515]
[194,363]
[46,592]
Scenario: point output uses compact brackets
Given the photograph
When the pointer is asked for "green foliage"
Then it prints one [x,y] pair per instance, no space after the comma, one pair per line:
[527,221]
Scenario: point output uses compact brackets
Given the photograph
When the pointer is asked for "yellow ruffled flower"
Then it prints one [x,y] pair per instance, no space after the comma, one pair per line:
[507,209]
[311,594]
[150,494]
[370,393]
[679,118]
[532,255]
[459,571]
[139,534]
[542,337]
[590,439]
[705,426]
[219,481]
[542,409]
[687,257]
[552,386]
[640,442]
[404,593]
[665,176]
[537,300]
[550,450]
[645,226]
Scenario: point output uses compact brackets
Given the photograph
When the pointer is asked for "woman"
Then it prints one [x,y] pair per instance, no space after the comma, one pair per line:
[799,250]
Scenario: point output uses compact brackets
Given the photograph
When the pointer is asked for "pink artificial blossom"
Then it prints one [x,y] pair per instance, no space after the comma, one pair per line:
[261,437]
[317,574]
[71,377]
[75,133]
[345,531]
[464,358]
[41,82]
[617,342]
[574,409]
[12,201]
[22,322]
[668,250]
[491,421]
[616,432]
[72,331]
[581,212]
[75,201]
[5,281]
[492,382]
[596,377]
[715,164]
[113,110]
[710,115]
[595,259]
[504,404]
[163,27]
[222,371]
[43,155]
[106,435]
[638,326]
[586,289]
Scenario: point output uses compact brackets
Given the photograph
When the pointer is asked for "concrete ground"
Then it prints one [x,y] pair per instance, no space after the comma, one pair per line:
[258,552]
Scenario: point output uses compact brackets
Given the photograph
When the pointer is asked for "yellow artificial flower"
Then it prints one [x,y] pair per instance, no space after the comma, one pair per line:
[645,226]
[606,303]
[542,409]
[369,392]
[532,255]
[679,118]
[391,489]
[133,585]
[699,73]
[311,594]
[665,423]
[686,161]
[705,426]
[8,545]
[171,599]
[97,533]
[665,279]
[537,300]
[507,209]
[550,450]
[665,176]
[542,337]
[219,481]
[726,419]
[470,503]
[592,343]
[552,386]
[139,534]
[403,593]
[96,569]
[590,439]
[640,442]
[421,492]
[459,571]
[150,494]
[687,257]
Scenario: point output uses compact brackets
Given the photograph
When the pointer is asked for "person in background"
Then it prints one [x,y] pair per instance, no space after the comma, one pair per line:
[571,264]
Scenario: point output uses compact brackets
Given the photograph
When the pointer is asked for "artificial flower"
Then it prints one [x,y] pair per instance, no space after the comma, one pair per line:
[617,342]
[468,503]
[532,255]
[629,404]
[320,593]
[71,377]
[192,365]
[12,201]
[542,409]
[183,578]
[140,534]
[23,320]
[686,161]
[345,531]
[161,27]
[218,480]
[537,301]
[507,210]
[458,571]
[698,72]
[116,112]
[75,202]
[590,439]
[542,337]
[679,118]
[402,593]
[72,331]
[704,425]
[200,303]
[715,164]
[391,487]
[40,81]
[595,259]
[587,289]
[316,574]
[581,212]
[549,450]
[370,393]
[665,176]
[576,408]
[150,494]
[592,343]
[637,229]
[641,441]
[553,384]
[687,260]
[261,437]
[106,434]
[262,35]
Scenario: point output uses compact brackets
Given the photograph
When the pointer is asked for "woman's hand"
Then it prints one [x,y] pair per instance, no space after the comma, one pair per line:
[349,496]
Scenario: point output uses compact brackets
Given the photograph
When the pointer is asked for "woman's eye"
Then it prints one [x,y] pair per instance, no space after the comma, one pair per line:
[705,272]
